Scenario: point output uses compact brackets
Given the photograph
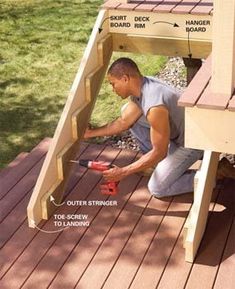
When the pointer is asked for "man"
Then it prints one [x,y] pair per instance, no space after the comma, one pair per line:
[157,122]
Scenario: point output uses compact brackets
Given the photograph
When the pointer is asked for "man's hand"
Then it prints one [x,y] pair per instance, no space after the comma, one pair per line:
[115,174]
[88,133]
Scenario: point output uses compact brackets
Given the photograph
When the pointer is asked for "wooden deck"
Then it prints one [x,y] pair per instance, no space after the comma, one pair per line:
[135,244]
[197,7]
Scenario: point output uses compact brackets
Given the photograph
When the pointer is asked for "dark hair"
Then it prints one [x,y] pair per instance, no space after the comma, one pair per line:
[124,66]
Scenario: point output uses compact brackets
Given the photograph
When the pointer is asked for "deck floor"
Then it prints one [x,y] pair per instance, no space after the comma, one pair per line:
[136,243]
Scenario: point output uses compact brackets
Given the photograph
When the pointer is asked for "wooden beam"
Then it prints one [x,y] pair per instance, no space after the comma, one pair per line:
[159,46]
[160,25]
[209,129]
[53,176]
[223,52]
[197,219]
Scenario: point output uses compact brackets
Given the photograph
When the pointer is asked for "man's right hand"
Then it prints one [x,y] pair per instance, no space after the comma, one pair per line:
[88,133]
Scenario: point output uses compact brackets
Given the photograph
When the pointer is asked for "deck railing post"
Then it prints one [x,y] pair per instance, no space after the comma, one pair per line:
[223,51]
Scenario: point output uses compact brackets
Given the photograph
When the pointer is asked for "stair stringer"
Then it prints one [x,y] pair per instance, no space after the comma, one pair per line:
[74,119]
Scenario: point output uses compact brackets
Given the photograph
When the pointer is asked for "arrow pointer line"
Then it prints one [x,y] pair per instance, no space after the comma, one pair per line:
[52,199]
[49,232]
[189,46]
[174,24]
[100,28]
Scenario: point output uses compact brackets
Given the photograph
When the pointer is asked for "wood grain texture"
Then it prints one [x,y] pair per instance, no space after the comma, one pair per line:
[6,184]
[185,6]
[212,100]
[214,241]
[140,238]
[19,158]
[48,178]
[205,7]
[202,196]
[158,46]
[223,53]
[166,6]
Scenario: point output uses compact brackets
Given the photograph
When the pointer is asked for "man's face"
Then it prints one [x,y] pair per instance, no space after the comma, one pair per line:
[120,86]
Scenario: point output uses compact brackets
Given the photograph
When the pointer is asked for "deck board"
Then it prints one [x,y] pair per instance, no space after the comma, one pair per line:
[185,6]
[20,171]
[205,7]
[134,244]
[199,7]
[214,241]
[163,242]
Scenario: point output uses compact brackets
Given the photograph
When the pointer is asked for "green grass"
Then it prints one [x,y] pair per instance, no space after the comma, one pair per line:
[41,44]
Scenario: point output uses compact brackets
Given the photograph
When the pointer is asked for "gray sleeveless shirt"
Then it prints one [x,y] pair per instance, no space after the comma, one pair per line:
[155,93]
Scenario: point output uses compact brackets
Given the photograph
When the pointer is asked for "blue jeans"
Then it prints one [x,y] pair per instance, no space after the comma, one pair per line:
[171,176]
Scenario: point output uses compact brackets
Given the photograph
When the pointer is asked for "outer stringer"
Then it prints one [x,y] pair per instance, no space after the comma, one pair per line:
[72,124]
[196,222]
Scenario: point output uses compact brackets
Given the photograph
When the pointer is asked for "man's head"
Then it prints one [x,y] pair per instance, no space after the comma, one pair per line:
[125,77]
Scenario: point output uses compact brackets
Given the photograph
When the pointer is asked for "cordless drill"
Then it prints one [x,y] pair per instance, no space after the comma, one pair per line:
[107,188]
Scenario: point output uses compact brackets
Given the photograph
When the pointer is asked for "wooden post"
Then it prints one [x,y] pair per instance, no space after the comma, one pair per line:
[196,222]
[223,48]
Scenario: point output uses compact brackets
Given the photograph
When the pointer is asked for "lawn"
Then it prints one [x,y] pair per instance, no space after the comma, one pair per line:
[41,44]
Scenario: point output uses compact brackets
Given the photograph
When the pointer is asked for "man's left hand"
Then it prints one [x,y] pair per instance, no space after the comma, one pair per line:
[114,174]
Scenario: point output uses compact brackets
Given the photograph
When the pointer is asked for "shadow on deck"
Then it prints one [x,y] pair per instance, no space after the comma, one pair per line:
[135,243]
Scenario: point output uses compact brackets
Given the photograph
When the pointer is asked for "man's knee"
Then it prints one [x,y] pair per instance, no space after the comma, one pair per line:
[157,190]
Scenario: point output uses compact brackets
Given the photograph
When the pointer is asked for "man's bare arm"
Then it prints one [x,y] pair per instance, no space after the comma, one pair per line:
[129,116]
[159,132]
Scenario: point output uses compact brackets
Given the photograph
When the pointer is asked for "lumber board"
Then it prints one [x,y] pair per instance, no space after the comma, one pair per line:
[111,247]
[145,7]
[162,245]
[197,85]
[159,46]
[19,158]
[99,224]
[20,171]
[213,100]
[146,229]
[160,25]
[14,207]
[223,53]
[204,7]
[202,197]
[127,6]
[167,6]
[214,241]
[92,86]
[225,277]
[185,6]
[177,270]
[97,232]
[34,252]
[200,133]
[48,177]
[18,192]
